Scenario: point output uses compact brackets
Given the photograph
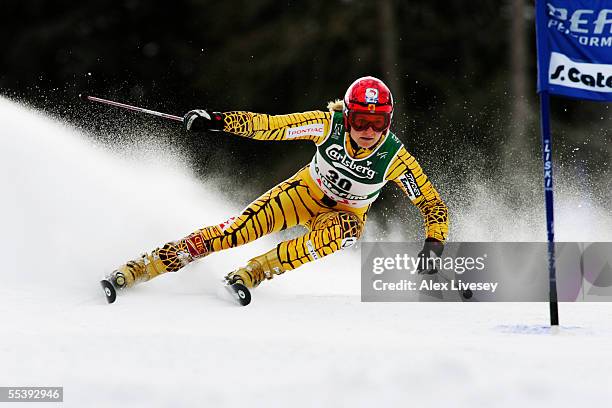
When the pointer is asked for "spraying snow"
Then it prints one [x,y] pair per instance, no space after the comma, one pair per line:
[72,210]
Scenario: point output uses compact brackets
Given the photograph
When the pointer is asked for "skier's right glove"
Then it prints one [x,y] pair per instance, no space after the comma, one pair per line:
[431,250]
[200,120]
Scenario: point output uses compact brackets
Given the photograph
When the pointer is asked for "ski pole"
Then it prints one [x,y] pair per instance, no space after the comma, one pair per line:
[467,293]
[130,107]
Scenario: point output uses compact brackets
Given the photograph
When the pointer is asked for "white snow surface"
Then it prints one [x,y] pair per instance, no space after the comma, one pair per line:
[72,210]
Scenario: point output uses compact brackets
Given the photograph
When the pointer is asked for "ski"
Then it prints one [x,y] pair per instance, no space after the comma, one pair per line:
[109,290]
[239,292]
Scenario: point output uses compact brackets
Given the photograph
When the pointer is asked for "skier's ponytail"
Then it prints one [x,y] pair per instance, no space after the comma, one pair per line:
[335,106]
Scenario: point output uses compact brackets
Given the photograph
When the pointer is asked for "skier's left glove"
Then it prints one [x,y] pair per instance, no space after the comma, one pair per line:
[200,120]
[434,246]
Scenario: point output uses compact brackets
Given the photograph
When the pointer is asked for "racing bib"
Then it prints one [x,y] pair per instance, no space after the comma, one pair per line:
[353,182]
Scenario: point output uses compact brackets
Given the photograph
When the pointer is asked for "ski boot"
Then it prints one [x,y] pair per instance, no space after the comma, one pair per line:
[170,258]
[250,276]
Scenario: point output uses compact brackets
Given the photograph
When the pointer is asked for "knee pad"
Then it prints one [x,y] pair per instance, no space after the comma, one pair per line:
[350,225]
[174,255]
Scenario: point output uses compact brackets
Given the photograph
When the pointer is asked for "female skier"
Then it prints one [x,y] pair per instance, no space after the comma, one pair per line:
[331,196]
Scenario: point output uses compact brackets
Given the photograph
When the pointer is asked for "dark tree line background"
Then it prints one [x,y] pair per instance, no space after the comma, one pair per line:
[462,73]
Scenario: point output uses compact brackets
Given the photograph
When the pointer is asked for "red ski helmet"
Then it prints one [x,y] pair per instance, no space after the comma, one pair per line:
[368,103]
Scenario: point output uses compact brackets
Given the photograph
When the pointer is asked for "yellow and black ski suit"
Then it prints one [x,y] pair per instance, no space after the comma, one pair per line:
[334,218]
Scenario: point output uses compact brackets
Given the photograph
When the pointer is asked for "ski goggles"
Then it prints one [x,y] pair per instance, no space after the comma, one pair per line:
[360,121]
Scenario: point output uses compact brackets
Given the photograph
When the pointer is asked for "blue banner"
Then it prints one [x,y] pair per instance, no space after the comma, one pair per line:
[574,39]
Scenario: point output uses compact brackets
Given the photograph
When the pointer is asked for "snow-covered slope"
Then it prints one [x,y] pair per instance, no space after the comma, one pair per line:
[70,211]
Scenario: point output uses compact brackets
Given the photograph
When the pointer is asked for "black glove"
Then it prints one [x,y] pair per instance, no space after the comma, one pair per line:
[431,245]
[199,120]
